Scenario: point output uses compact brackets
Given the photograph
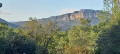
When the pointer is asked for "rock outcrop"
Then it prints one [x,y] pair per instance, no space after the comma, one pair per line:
[70,19]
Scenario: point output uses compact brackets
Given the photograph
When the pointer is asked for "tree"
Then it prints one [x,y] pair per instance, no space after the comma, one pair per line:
[82,37]
[14,42]
[76,50]
[20,44]
[59,42]
[3,37]
[41,33]
[108,41]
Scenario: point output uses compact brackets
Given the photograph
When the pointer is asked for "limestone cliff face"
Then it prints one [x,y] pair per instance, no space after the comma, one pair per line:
[71,19]
[84,13]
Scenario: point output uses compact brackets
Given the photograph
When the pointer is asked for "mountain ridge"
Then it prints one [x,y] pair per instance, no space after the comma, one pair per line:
[9,24]
[66,21]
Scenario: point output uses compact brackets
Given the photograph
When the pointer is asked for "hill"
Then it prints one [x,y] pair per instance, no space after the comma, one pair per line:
[66,21]
[9,24]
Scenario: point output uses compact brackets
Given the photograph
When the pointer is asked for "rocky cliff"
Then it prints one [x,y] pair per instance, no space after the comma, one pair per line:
[70,19]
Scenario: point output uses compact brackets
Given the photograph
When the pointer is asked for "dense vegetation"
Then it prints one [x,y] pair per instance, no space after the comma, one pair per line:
[38,38]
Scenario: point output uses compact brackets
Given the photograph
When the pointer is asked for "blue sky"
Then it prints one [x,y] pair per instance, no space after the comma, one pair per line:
[21,10]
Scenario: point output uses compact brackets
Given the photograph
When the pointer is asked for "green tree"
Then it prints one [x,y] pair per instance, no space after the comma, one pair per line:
[83,37]
[20,44]
[59,42]
[41,33]
[3,37]
[14,42]
[108,41]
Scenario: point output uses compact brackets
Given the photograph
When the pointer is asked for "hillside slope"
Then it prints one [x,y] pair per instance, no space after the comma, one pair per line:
[9,24]
[70,19]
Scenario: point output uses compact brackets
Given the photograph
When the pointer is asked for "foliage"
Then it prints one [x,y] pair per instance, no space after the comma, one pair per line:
[12,42]
[76,50]
[41,33]
[83,37]
[38,38]
[108,41]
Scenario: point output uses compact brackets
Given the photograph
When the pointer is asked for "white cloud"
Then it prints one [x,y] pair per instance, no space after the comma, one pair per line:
[67,10]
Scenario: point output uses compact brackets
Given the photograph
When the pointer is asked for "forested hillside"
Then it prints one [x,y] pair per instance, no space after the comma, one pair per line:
[66,21]
[9,24]
[38,38]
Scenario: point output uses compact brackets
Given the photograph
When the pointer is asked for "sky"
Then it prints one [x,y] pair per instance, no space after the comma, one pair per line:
[21,10]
